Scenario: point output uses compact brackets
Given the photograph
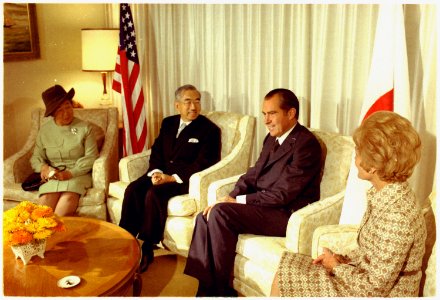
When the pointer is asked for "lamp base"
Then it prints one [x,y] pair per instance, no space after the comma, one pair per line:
[105,101]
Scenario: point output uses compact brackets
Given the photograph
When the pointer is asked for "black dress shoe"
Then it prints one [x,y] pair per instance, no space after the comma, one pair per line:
[204,291]
[230,292]
[147,258]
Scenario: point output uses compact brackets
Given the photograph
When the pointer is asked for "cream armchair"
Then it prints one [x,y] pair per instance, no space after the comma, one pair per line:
[258,257]
[342,238]
[93,204]
[237,140]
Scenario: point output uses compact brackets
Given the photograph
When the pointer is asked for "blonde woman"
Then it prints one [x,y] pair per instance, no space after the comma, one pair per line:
[391,237]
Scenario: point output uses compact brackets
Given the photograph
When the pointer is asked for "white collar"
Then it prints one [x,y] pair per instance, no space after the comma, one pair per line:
[285,134]
[186,123]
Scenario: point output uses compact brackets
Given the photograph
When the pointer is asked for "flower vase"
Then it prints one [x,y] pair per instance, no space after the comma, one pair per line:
[26,251]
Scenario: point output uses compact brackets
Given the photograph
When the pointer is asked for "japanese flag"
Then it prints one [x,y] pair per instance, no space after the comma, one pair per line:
[387,89]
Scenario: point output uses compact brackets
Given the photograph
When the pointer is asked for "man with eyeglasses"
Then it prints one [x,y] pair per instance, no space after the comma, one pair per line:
[187,143]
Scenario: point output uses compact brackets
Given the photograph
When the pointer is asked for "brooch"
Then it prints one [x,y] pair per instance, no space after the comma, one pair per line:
[74,130]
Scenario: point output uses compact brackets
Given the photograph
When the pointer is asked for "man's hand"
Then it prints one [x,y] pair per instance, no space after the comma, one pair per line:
[161,178]
[327,259]
[207,210]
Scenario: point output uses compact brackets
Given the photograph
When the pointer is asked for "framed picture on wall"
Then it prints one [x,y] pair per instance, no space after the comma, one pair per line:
[20,32]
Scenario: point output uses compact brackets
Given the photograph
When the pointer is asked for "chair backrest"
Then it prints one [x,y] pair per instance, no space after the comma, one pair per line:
[337,152]
[229,124]
[104,122]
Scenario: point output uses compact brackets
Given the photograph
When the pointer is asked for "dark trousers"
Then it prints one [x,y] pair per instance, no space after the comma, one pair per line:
[144,209]
[212,251]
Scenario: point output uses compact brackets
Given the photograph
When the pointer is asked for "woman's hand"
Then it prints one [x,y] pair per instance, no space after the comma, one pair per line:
[44,172]
[327,259]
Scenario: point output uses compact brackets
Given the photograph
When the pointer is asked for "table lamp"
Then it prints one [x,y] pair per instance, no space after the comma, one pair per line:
[99,50]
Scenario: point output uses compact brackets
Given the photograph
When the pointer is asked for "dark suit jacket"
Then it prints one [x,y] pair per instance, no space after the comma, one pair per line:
[291,177]
[197,147]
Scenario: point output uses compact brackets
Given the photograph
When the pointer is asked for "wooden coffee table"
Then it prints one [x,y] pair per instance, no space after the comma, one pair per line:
[105,257]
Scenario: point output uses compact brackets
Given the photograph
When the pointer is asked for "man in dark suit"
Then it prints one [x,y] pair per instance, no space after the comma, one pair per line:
[285,178]
[187,143]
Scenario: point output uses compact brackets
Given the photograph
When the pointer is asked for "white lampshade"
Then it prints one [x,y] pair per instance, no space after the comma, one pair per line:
[99,49]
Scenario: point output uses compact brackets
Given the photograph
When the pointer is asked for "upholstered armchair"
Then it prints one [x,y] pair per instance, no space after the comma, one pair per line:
[257,257]
[341,238]
[93,204]
[237,134]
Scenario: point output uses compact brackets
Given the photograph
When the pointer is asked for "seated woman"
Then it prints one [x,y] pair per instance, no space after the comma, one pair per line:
[64,153]
[391,237]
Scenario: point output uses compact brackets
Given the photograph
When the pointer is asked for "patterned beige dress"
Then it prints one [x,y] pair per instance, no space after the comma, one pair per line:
[387,263]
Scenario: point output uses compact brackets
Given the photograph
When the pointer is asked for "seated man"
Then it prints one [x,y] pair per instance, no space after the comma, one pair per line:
[285,178]
[187,143]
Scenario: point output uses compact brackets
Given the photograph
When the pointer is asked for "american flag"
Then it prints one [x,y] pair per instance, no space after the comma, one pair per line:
[127,82]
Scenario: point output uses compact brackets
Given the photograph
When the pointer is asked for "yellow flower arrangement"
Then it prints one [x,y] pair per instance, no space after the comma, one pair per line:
[28,221]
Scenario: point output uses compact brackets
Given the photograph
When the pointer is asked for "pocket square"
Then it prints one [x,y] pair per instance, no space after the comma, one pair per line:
[193,140]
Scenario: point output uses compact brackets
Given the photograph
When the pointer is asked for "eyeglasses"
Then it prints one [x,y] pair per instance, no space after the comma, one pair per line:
[189,102]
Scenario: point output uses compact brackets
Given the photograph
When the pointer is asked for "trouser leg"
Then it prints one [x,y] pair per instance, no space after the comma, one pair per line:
[199,259]
[212,251]
[133,204]
[155,209]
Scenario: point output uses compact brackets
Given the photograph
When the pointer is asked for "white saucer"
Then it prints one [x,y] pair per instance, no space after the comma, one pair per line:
[68,281]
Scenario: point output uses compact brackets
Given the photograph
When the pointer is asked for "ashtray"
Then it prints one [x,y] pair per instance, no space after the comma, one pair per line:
[68,281]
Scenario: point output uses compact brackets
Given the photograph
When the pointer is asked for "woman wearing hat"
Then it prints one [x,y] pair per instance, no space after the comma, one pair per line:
[64,153]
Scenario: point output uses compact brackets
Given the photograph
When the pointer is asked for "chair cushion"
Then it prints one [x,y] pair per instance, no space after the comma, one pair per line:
[114,208]
[117,189]
[178,234]
[252,279]
[179,206]
[262,249]
[256,262]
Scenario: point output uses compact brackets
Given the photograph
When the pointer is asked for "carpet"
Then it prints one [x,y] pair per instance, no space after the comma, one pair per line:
[165,278]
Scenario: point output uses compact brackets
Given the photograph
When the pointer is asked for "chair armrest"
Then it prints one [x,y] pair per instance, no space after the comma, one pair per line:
[134,166]
[236,162]
[17,167]
[104,166]
[221,188]
[303,222]
[233,163]
[99,175]
[338,238]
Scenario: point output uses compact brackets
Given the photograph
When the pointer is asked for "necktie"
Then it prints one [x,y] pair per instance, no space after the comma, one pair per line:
[275,147]
[180,129]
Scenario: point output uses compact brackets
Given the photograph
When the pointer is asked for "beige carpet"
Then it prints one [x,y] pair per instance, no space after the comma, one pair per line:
[165,278]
